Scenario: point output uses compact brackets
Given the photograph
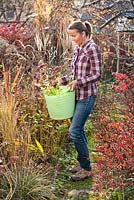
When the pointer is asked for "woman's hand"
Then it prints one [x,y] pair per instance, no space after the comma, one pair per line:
[73,85]
[54,83]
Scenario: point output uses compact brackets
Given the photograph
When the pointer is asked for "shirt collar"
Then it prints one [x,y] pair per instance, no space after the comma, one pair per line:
[86,45]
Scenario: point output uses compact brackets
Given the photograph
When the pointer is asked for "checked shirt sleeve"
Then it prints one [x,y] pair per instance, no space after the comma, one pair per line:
[94,69]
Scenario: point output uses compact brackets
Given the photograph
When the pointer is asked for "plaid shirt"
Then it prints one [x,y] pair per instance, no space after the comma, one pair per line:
[86,69]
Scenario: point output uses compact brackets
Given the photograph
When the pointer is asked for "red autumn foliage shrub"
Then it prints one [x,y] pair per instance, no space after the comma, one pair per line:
[16,31]
[123,82]
[115,136]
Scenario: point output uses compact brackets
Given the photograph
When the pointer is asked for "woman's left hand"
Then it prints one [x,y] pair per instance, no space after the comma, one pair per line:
[73,85]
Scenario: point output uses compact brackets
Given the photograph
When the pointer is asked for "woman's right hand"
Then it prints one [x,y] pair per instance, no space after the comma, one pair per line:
[73,85]
[54,83]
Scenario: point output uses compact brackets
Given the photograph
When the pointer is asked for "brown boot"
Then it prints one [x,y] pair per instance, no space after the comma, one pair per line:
[75,168]
[81,175]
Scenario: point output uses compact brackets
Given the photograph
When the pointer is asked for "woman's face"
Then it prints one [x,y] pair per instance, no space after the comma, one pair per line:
[76,37]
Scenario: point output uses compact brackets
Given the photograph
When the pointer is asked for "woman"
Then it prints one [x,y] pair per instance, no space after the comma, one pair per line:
[86,70]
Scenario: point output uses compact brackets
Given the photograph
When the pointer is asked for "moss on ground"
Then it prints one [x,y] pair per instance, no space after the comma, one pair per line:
[63,182]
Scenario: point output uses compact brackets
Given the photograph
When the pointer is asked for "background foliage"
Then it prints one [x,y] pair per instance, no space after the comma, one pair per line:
[34,50]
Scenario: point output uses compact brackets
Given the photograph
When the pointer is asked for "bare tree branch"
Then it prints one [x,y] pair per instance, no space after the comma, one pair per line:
[111,19]
[18,7]
[21,11]
[89,4]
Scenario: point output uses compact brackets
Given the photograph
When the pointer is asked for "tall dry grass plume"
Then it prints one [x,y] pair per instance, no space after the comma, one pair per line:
[43,11]
[51,35]
[9,108]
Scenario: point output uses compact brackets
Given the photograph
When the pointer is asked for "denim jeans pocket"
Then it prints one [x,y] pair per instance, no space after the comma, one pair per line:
[88,100]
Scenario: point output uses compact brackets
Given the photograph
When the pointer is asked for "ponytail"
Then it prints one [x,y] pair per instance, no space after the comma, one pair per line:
[89,28]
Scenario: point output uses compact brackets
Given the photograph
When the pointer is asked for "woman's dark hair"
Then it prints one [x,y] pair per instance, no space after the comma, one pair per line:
[81,26]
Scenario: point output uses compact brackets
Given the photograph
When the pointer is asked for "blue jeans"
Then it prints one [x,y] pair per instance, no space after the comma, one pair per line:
[77,133]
